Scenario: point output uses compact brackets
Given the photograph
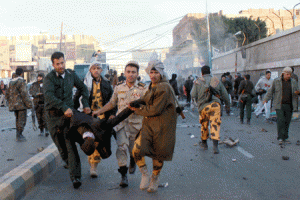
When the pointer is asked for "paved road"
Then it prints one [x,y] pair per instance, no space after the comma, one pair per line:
[258,172]
[13,153]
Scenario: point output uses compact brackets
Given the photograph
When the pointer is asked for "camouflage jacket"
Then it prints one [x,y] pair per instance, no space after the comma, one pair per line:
[17,95]
[36,91]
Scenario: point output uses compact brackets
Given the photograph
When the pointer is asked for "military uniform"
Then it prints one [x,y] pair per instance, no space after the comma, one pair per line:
[18,101]
[127,129]
[36,91]
[58,98]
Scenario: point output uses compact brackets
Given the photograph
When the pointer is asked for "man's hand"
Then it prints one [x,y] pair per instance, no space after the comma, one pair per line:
[68,112]
[87,110]
[297,92]
[132,108]
[39,94]
[96,113]
[264,102]
[111,117]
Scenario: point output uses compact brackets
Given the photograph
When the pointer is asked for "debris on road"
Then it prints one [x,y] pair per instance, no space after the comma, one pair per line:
[7,129]
[195,144]
[233,160]
[230,142]
[298,142]
[163,185]
[40,149]
[245,178]
[10,159]
[263,130]
[192,136]
[189,133]
[285,158]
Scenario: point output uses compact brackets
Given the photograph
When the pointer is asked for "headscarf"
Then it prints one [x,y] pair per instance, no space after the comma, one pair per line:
[159,66]
[287,70]
[88,80]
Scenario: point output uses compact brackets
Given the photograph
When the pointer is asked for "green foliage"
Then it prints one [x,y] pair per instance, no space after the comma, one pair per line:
[253,29]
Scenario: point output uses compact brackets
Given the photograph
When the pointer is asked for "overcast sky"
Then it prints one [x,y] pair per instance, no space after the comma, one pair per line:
[109,20]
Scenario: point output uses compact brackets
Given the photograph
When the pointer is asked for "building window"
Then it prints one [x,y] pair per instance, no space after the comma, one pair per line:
[297,12]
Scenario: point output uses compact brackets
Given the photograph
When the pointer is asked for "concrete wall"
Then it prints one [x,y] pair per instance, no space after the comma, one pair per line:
[274,53]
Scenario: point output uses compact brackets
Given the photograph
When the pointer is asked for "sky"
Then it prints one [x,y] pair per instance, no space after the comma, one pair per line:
[110,20]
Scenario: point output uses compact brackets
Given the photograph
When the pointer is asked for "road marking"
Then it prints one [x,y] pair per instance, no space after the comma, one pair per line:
[247,154]
[192,114]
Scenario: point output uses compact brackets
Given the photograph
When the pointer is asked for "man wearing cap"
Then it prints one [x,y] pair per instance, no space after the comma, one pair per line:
[18,102]
[100,93]
[58,89]
[125,92]
[284,91]
[36,91]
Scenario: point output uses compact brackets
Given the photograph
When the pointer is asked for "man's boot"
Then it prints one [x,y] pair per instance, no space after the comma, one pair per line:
[145,178]
[153,183]
[46,132]
[203,144]
[248,121]
[93,170]
[20,137]
[41,132]
[132,166]
[241,121]
[124,180]
[215,147]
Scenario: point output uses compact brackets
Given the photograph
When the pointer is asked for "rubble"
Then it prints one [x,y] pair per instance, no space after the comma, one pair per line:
[233,160]
[285,158]
[163,185]
[230,142]
[263,130]
[298,142]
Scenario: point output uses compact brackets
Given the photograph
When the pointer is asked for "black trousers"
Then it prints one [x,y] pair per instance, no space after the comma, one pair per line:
[284,116]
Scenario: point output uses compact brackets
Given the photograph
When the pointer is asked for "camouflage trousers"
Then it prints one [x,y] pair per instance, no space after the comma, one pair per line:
[95,157]
[21,117]
[140,160]
[210,115]
[40,115]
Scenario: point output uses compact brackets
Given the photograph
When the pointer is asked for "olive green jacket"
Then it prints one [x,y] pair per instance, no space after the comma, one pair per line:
[199,89]
[59,96]
[275,91]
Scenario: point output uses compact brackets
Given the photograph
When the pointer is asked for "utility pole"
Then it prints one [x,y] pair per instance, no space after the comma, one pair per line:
[60,36]
[208,38]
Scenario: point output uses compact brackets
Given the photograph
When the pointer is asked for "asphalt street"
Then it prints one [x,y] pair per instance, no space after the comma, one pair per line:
[254,169]
[13,153]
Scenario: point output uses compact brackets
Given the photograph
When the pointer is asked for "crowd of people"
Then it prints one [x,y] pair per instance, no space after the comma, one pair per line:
[141,118]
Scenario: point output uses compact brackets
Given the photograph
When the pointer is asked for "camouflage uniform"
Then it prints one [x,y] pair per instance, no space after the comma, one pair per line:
[127,130]
[18,101]
[210,111]
[38,100]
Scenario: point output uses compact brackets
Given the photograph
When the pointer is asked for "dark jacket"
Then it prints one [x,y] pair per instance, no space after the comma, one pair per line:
[17,95]
[247,86]
[173,83]
[188,85]
[34,90]
[2,91]
[106,91]
[59,97]
[237,82]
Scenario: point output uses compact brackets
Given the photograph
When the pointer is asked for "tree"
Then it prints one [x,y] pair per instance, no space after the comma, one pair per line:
[253,29]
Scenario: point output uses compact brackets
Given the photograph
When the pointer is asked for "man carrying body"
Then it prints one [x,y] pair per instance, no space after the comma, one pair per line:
[18,102]
[36,91]
[58,87]
[100,93]
[284,92]
[262,86]
[126,131]
[209,106]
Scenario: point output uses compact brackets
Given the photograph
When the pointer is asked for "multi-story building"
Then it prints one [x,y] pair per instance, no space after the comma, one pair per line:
[5,70]
[189,50]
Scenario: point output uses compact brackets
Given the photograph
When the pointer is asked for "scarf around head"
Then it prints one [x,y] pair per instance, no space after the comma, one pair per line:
[88,80]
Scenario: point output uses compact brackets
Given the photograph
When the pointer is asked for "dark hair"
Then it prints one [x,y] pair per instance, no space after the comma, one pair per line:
[133,65]
[57,55]
[268,72]
[223,75]
[19,71]
[247,76]
[292,69]
[205,70]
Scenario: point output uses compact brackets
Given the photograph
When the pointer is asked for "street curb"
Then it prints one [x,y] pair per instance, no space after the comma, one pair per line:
[18,182]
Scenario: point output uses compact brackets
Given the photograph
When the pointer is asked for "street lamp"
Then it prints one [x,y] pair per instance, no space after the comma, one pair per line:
[240,32]
[280,20]
[291,15]
[294,17]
